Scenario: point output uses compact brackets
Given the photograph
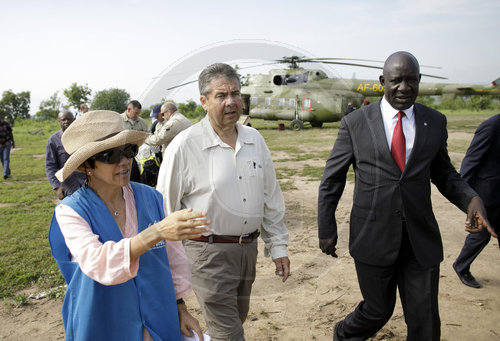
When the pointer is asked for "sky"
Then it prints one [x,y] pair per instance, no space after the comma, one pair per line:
[48,45]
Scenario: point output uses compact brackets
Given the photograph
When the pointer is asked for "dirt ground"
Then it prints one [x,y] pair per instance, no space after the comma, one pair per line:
[321,289]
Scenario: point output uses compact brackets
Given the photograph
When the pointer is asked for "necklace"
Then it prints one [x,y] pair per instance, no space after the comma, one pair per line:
[115,213]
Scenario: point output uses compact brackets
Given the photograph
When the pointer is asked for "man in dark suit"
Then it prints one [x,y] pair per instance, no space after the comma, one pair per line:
[481,169]
[396,147]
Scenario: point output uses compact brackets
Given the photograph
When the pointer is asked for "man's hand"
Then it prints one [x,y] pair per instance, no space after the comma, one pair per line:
[282,267]
[476,218]
[60,193]
[188,323]
[327,245]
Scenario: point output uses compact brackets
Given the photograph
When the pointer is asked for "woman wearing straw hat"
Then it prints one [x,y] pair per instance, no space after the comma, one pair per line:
[122,260]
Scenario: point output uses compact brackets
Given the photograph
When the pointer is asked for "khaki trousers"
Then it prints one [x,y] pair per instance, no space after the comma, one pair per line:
[222,275]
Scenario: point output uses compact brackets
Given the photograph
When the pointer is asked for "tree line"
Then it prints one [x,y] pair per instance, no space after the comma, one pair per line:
[17,105]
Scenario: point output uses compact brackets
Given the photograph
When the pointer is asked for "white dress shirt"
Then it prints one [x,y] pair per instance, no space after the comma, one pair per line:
[236,187]
[390,118]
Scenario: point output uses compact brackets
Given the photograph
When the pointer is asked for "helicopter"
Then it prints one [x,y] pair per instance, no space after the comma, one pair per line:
[308,95]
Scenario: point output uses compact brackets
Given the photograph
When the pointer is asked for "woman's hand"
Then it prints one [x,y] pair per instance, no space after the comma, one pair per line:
[188,323]
[180,225]
[183,224]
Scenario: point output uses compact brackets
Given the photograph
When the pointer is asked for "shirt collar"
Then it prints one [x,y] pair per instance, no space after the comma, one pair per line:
[389,112]
[126,118]
[211,139]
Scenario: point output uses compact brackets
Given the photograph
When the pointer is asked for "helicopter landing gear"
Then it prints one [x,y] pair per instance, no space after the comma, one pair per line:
[296,125]
[316,124]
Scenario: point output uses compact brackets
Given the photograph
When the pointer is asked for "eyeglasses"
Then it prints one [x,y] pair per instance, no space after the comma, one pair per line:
[115,155]
[164,113]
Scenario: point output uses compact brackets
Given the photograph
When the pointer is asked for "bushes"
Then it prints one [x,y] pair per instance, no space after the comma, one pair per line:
[471,103]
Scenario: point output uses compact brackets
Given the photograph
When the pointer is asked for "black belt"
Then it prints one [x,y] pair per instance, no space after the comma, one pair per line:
[217,238]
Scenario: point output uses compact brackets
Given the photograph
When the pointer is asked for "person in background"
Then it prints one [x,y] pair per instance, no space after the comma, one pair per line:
[157,122]
[224,168]
[6,143]
[481,169]
[154,117]
[397,148]
[133,121]
[173,123]
[350,108]
[122,259]
[82,110]
[56,156]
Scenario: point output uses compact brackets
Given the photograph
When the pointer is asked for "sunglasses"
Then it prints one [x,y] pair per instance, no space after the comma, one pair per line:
[116,155]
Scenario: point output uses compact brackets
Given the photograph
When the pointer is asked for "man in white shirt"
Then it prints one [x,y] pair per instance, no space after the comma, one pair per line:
[225,169]
[172,123]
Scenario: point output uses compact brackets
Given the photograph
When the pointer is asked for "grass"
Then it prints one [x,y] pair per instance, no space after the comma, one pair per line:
[312,173]
[26,199]
[26,206]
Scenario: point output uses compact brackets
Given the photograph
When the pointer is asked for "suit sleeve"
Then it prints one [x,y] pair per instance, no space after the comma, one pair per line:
[447,179]
[478,147]
[333,182]
[51,164]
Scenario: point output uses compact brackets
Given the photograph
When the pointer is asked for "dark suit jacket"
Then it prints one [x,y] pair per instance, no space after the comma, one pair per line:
[383,196]
[481,164]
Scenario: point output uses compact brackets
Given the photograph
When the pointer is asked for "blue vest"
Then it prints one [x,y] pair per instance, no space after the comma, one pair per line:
[92,311]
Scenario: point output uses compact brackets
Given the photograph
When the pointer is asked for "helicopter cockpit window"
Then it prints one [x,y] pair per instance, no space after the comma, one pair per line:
[298,78]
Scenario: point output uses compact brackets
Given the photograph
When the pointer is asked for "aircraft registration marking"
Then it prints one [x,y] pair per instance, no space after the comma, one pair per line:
[375,87]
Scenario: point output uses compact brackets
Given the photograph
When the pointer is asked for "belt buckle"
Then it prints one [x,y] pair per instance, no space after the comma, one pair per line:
[243,236]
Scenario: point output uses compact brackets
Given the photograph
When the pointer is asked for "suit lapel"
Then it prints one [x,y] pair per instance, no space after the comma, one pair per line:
[377,130]
[421,132]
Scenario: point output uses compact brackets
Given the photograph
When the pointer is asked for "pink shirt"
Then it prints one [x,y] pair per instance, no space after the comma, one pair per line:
[109,263]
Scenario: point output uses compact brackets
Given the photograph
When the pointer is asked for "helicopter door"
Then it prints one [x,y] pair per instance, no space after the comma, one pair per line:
[304,112]
[245,104]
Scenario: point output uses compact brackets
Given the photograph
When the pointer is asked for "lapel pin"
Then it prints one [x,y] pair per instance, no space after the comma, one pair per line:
[425,124]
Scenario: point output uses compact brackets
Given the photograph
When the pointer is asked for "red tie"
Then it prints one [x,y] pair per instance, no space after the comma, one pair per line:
[398,145]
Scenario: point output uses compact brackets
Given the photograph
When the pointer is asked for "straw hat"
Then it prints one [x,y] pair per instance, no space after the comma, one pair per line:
[92,133]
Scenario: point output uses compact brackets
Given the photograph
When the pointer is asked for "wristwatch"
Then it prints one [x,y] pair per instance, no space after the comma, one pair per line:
[180,301]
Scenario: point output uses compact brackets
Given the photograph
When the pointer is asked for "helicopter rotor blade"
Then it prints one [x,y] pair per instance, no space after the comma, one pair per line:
[376,67]
[370,60]
[252,66]
[319,60]
[294,60]
[351,64]
[355,59]
[362,60]
[183,84]
[432,76]
[195,80]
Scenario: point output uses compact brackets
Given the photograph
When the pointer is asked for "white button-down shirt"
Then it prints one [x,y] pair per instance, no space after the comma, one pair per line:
[390,117]
[236,187]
